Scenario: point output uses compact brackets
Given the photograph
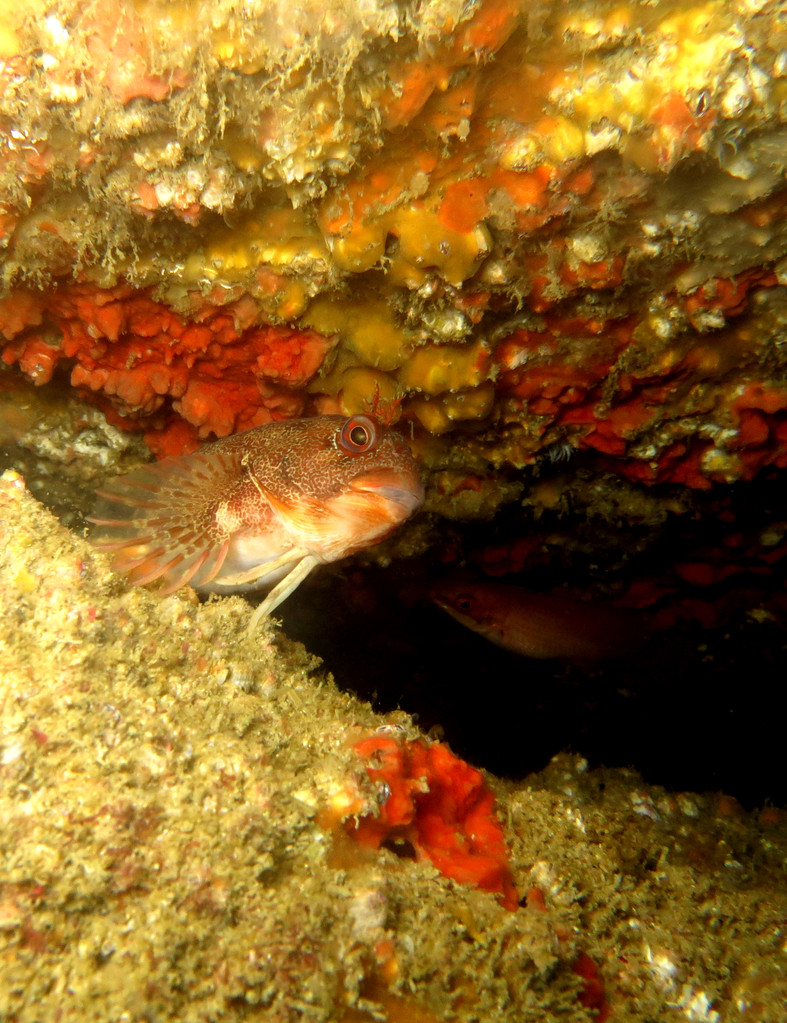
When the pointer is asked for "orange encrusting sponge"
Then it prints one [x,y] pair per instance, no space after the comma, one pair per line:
[443,807]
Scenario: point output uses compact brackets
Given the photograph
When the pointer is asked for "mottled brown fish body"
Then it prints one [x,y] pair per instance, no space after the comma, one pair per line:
[539,625]
[269,503]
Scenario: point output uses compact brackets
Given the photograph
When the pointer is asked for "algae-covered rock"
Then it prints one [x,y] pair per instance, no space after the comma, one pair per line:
[173,847]
[170,798]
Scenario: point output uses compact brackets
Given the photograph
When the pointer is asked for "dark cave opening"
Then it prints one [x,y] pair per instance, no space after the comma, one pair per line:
[695,709]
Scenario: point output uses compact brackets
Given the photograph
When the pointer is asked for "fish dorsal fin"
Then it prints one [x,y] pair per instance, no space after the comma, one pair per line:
[175,519]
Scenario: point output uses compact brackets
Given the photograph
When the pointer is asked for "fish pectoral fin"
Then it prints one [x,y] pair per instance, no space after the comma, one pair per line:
[282,590]
[251,575]
[161,520]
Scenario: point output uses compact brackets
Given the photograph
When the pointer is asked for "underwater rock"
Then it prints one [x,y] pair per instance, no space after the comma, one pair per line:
[551,238]
[178,803]
[534,224]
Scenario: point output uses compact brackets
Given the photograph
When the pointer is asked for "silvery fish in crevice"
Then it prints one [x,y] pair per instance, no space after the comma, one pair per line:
[260,508]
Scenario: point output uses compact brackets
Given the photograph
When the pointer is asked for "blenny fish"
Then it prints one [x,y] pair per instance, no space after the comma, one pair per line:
[539,625]
[259,508]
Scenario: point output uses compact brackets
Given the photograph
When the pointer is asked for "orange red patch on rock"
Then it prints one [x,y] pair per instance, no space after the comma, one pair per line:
[152,369]
[182,378]
[440,805]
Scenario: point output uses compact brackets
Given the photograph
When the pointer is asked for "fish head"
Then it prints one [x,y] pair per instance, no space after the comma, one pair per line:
[340,483]
[467,603]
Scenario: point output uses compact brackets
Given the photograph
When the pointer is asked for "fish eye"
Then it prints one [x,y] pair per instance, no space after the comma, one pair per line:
[464,602]
[358,435]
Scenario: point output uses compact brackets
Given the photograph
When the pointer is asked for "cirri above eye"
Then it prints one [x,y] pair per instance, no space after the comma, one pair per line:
[358,435]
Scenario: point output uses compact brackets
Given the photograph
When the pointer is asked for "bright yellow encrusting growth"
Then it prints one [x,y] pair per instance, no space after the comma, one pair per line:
[554,140]
[9,40]
[360,390]
[367,330]
[274,254]
[280,237]
[291,300]
[442,368]
[691,45]
[430,414]
[473,404]
[439,414]
[421,243]
[612,25]
[361,250]
[426,243]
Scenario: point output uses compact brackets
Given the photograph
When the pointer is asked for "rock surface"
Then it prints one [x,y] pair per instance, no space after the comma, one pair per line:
[174,844]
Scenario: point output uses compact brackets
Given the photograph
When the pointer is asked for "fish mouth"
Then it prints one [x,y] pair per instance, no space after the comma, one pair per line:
[394,486]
